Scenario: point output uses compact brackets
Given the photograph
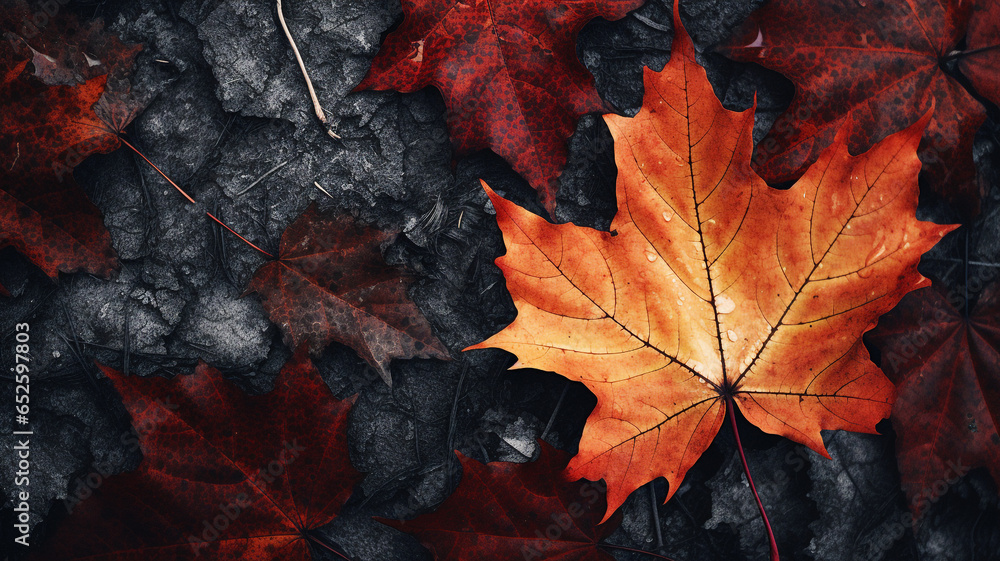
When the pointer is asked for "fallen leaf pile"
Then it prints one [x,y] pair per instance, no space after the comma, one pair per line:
[712,293]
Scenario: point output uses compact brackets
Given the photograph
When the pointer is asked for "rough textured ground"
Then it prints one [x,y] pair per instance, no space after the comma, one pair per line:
[229,106]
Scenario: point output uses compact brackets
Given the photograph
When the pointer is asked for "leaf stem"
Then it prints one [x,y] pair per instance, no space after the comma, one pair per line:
[246,241]
[321,543]
[730,412]
[189,198]
[960,54]
[634,550]
[158,170]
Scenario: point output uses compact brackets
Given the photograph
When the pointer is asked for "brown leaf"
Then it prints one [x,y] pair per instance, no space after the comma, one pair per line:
[330,283]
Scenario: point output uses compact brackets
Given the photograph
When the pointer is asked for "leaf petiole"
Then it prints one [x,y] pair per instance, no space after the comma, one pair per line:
[634,550]
[960,54]
[730,412]
[189,198]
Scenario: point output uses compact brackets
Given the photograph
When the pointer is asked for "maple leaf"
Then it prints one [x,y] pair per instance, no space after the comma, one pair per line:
[330,283]
[714,290]
[946,366]
[48,125]
[981,58]
[224,475]
[508,72]
[874,67]
[512,511]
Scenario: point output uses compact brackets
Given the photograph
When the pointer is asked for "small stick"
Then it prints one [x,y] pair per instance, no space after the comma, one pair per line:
[305,74]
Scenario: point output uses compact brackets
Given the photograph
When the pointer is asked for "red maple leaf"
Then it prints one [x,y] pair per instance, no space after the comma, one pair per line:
[53,79]
[517,511]
[224,476]
[715,292]
[508,72]
[330,283]
[981,60]
[946,367]
[877,66]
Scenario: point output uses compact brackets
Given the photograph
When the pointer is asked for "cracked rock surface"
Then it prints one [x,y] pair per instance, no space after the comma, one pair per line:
[230,120]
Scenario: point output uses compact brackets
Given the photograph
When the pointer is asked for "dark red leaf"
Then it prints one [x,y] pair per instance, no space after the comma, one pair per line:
[981,61]
[879,63]
[224,476]
[52,80]
[508,72]
[330,283]
[507,511]
[946,368]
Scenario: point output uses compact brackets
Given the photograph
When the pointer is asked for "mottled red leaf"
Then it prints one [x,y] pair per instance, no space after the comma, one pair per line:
[507,511]
[874,65]
[946,367]
[330,283]
[224,476]
[981,60]
[53,79]
[508,72]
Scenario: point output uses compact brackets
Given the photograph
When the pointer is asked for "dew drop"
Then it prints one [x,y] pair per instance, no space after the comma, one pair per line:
[667,216]
[724,304]
[874,255]
[650,257]
[732,335]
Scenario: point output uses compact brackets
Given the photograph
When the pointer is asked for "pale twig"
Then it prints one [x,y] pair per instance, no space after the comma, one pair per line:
[320,114]
[263,177]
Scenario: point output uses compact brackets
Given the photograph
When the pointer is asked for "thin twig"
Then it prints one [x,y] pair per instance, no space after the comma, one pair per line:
[305,74]
[655,507]
[452,420]
[957,260]
[552,417]
[262,178]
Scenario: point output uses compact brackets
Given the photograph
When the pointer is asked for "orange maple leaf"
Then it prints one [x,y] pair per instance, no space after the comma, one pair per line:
[713,290]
